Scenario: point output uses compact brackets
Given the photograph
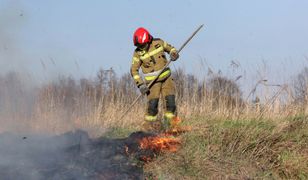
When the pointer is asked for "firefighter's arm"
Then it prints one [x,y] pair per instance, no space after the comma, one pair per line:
[174,55]
[136,63]
[168,48]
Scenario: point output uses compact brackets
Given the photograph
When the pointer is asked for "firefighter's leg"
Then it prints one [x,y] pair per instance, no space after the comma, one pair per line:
[168,91]
[151,123]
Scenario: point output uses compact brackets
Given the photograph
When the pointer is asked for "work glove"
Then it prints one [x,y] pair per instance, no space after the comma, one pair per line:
[144,89]
[174,55]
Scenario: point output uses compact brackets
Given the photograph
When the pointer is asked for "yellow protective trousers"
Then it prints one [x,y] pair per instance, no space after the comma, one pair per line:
[166,88]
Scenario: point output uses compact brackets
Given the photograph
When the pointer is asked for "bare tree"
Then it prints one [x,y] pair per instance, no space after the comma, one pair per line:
[301,87]
[225,92]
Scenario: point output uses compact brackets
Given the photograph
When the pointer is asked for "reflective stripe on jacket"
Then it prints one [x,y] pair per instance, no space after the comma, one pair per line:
[153,75]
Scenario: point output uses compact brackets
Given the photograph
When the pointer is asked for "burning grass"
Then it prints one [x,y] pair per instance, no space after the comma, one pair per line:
[146,147]
[160,143]
[238,149]
[74,155]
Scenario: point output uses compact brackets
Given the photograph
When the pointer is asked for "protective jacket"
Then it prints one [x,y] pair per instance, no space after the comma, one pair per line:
[151,62]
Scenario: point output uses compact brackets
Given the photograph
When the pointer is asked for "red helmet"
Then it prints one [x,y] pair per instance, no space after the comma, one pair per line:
[142,36]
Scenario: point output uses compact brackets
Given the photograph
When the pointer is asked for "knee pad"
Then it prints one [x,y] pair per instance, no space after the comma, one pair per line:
[170,103]
[153,107]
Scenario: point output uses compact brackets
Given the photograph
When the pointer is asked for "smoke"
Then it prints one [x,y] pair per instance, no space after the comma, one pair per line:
[22,104]
[71,155]
[17,92]
[12,20]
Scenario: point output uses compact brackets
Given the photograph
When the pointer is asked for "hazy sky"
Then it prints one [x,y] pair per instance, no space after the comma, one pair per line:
[79,36]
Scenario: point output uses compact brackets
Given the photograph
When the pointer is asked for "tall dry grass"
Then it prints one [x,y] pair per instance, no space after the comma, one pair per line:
[96,104]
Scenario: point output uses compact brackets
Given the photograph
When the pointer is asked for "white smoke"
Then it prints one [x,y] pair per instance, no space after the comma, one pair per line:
[12,19]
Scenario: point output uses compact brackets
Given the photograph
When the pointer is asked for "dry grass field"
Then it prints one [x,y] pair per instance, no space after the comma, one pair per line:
[233,137]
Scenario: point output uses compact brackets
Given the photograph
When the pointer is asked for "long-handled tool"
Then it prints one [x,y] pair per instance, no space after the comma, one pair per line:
[166,66]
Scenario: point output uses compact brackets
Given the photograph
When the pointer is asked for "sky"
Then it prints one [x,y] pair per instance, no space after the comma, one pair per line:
[77,37]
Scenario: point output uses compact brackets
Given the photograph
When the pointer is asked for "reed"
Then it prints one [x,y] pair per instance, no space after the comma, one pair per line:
[96,104]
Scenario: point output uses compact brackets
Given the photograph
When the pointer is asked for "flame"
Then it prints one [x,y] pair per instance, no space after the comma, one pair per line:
[177,131]
[177,128]
[149,146]
[175,121]
[160,143]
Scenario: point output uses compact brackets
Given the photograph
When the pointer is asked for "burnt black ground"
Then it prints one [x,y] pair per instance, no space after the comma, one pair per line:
[72,155]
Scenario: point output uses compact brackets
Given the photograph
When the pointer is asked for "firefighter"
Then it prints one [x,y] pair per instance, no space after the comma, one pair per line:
[150,56]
